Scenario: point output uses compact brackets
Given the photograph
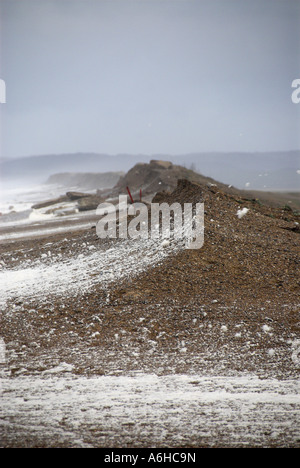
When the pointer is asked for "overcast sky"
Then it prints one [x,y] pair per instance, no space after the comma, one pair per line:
[149,76]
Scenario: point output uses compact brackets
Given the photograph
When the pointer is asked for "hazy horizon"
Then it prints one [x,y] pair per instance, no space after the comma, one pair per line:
[149,76]
[292,152]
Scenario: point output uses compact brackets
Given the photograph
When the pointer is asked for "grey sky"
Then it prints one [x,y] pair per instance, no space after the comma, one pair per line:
[149,76]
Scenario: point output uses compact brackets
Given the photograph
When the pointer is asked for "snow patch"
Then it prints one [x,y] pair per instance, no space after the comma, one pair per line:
[242,212]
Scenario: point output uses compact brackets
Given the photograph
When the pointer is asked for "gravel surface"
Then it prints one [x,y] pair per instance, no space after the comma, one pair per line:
[139,343]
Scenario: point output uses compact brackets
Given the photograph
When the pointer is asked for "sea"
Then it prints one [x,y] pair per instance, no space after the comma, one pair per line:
[18,197]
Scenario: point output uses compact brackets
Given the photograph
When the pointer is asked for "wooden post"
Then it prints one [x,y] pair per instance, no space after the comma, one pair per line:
[130,195]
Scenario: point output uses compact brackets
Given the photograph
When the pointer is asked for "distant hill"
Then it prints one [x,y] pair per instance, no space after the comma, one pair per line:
[86,180]
[163,176]
[156,176]
[256,171]
[40,168]
[145,180]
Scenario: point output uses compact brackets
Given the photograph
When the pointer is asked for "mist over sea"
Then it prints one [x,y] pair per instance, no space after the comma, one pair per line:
[17,198]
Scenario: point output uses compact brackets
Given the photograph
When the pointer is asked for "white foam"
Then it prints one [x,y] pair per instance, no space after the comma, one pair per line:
[77,274]
[155,410]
